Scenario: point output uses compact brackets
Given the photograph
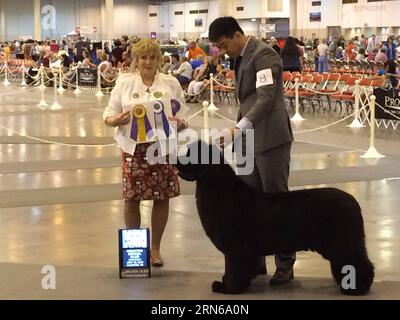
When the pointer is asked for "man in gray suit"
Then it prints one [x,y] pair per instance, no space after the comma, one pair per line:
[259,87]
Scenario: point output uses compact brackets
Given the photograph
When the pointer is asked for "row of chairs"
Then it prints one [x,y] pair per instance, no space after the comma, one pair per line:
[332,90]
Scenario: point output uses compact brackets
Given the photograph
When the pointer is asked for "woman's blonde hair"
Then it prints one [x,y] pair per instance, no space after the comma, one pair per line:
[144,46]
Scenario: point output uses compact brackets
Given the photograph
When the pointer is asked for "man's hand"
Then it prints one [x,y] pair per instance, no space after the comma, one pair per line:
[119,119]
[229,135]
[181,124]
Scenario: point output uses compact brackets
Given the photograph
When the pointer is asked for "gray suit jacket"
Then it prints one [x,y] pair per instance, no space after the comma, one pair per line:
[263,106]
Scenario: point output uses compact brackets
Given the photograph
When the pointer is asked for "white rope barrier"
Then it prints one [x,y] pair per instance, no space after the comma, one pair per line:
[194,115]
[316,91]
[225,118]
[328,125]
[195,94]
[223,85]
[55,142]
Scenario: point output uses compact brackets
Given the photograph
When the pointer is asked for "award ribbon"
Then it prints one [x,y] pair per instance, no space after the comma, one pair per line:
[141,126]
[175,106]
[160,118]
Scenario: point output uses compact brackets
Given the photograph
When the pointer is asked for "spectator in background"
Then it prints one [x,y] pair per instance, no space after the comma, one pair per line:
[124,44]
[350,51]
[44,59]
[372,54]
[7,51]
[165,64]
[360,55]
[323,65]
[194,51]
[87,61]
[214,50]
[125,65]
[117,53]
[390,49]
[202,76]
[371,44]
[174,62]
[339,53]
[185,72]
[198,62]
[291,56]
[204,45]
[381,56]
[106,48]
[275,46]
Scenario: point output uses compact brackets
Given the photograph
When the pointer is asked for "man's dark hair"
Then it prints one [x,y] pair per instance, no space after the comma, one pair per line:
[223,27]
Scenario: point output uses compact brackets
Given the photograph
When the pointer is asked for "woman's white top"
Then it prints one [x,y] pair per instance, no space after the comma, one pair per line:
[130,90]
[107,72]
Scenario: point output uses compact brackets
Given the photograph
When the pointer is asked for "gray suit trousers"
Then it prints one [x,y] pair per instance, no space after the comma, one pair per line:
[271,174]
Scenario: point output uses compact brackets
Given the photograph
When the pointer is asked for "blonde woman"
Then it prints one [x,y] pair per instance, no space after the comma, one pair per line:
[141,180]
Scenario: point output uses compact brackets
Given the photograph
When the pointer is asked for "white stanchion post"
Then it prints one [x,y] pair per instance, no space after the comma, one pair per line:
[77,90]
[372,153]
[99,92]
[205,121]
[212,106]
[23,81]
[60,87]
[6,82]
[42,103]
[41,71]
[55,105]
[297,116]
[356,123]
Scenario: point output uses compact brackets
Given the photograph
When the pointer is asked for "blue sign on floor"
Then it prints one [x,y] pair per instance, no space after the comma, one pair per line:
[134,253]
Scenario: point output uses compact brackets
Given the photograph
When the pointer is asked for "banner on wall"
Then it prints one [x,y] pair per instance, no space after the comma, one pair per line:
[267,28]
[86,30]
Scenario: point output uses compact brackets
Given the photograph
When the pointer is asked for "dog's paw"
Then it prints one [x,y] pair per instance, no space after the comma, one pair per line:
[218,287]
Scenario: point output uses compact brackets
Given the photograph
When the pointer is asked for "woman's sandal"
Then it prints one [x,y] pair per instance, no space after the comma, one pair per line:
[156,261]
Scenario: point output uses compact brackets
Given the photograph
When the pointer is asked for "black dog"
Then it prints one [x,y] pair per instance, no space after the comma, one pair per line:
[244,224]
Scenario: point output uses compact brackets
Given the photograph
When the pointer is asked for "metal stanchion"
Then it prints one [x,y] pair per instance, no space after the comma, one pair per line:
[205,121]
[212,106]
[77,91]
[297,116]
[42,103]
[356,122]
[41,71]
[55,105]
[372,153]
[23,81]
[60,88]
[6,82]
[99,92]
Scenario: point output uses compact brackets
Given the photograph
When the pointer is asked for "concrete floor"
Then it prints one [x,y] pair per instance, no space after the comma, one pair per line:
[61,206]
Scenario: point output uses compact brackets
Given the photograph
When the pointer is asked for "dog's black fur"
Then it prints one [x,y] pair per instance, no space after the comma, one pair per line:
[244,224]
